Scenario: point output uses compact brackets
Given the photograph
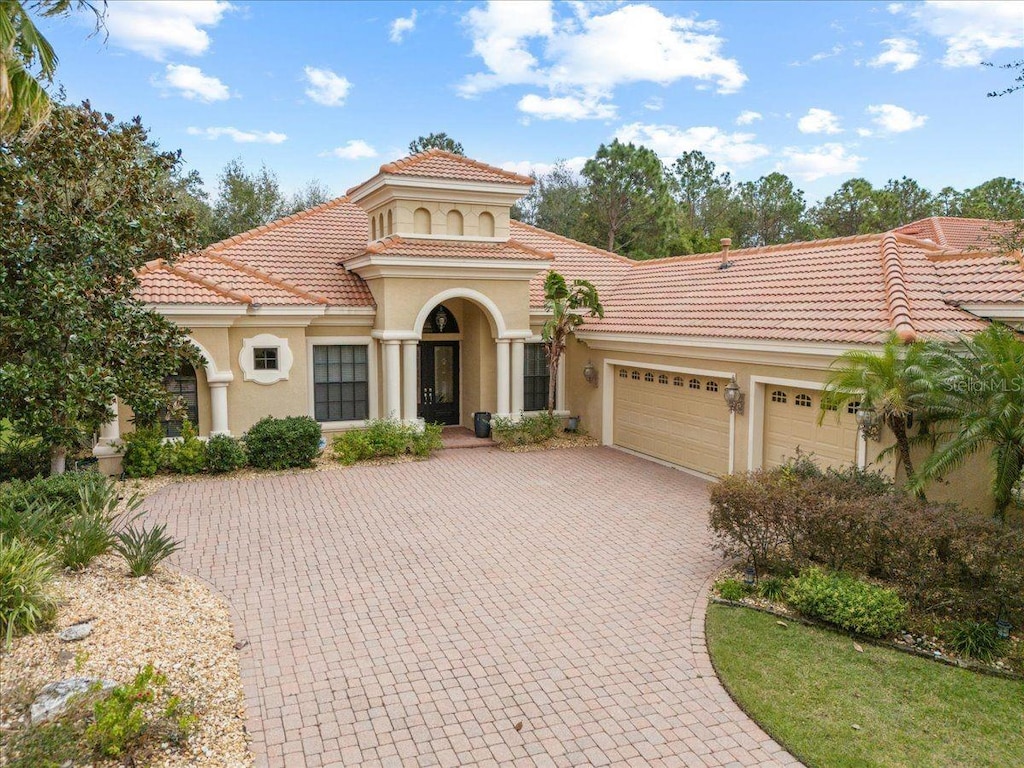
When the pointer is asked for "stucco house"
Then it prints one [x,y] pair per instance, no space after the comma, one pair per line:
[417,296]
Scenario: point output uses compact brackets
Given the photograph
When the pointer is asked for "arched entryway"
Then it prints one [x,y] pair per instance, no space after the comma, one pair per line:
[439,400]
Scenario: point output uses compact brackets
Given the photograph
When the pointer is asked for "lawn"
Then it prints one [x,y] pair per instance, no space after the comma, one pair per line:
[809,688]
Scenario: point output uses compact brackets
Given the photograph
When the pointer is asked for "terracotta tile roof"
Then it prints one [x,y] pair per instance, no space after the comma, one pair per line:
[850,290]
[160,283]
[394,245]
[981,278]
[438,164]
[956,233]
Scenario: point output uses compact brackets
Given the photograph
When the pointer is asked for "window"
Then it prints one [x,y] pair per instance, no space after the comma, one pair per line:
[635,375]
[264,359]
[454,222]
[778,396]
[802,401]
[623,373]
[711,386]
[391,223]
[662,378]
[853,407]
[536,378]
[340,382]
[694,384]
[648,376]
[421,221]
[373,228]
[184,387]
[677,381]
[486,225]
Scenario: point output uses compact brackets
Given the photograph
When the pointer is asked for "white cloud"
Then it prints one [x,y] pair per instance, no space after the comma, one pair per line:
[402,26]
[748,116]
[655,104]
[819,121]
[973,30]
[156,28]
[354,149]
[900,52]
[818,162]
[835,50]
[192,84]
[526,167]
[326,87]
[893,119]
[585,57]
[239,136]
[669,142]
[569,108]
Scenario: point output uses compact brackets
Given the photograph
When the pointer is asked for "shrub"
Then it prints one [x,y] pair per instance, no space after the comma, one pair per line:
[143,452]
[22,458]
[732,589]
[59,491]
[975,639]
[187,455]
[26,599]
[92,530]
[142,549]
[383,438]
[526,430]
[283,443]
[846,602]
[772,588]
[224,454]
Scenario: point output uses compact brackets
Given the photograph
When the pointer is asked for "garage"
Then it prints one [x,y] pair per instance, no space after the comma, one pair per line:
[677,417]
[791,422]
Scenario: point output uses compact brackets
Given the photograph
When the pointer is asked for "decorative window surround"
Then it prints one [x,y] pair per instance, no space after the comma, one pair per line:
[247,362]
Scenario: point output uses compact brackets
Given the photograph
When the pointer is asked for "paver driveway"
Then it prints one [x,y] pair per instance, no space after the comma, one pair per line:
[416,614]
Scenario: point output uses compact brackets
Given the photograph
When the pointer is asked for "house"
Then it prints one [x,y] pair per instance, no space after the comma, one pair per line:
[417,296]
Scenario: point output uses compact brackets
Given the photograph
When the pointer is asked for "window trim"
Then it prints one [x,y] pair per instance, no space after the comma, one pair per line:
[372,382]
[265,377]
[560,406]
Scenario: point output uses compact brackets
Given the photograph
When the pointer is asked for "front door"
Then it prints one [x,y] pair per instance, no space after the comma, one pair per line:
[439,382]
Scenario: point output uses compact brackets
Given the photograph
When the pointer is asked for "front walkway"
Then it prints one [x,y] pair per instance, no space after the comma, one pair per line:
[480,608]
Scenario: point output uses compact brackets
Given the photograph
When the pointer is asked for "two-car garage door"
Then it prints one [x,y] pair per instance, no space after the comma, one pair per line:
[682,418]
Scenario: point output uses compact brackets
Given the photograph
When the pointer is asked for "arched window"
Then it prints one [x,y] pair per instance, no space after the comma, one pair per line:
[694,384]
[421,221]
[373,228]
[454,222]
[486,225]
[184,386]
[623,373]
[380,224]
[802,400]
[778,396]
[677,381]
[391,224]
[648,376]
[662,378]
[635,376]
[711,386]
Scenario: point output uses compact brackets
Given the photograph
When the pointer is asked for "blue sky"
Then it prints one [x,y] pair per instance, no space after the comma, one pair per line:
[822,91]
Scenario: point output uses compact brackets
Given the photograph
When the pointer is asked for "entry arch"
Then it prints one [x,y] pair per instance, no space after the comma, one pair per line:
[493,314]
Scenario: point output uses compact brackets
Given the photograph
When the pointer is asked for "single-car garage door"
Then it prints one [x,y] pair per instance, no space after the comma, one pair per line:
[791,422]
[679,418]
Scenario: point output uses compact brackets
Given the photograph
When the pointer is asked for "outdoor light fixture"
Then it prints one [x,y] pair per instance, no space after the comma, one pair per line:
[590,373]
[734,397]
[870,423]
[1003,628]
[749,576]
[441,319]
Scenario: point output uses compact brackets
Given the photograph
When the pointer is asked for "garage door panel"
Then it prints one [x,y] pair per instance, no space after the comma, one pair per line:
[791,423]
[661,415]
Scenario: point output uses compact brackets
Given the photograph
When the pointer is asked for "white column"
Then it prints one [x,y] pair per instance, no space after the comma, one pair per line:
[110,432]
[219,408]
[409,380]
[502,346]
[518,361]
[392,379]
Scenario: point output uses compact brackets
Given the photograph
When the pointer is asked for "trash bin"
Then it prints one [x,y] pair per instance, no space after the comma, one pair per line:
[482,424]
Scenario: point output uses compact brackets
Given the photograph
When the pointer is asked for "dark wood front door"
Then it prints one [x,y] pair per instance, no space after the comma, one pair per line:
[439,382]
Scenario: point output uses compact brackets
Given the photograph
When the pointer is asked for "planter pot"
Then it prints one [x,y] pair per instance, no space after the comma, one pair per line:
[573,425]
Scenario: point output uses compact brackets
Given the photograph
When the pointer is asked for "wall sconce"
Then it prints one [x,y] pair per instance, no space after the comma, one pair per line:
[441,319]
[734,397]
[870,424]
[590,373]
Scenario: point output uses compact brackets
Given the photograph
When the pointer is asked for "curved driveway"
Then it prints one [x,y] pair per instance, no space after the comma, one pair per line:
[480,608]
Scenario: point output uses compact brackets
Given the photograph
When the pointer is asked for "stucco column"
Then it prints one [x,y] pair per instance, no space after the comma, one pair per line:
[219,408]
[502,346]
[409,379]
[518,360]
[110,432]
[392,379]
[106,450]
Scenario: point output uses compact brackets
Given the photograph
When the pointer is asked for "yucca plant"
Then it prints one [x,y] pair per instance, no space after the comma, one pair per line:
[92,530]
[143,549]
[26,597]
[974,639]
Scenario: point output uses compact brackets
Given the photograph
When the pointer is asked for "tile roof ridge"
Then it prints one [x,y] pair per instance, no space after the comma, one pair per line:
[530,249]
[381,244]
[181,272]
[617,256]
[897,299]
[248,234]
[411,161]
[274,280]
[759,249]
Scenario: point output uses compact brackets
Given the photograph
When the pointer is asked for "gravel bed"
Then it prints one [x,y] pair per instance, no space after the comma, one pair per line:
[564,440]
[167,619]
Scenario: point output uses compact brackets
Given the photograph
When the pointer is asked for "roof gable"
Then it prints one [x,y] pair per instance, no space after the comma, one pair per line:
[439,164]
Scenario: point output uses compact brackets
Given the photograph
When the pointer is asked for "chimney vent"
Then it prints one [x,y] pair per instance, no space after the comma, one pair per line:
[726,243]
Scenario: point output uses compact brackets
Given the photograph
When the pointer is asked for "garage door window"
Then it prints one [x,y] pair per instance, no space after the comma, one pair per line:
[662,379]
[694,383]
[677,381]
[802,401]
[711,386]
[778,396]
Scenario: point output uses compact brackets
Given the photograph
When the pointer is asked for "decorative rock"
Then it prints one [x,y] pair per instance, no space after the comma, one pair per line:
[54,697]
[76,632]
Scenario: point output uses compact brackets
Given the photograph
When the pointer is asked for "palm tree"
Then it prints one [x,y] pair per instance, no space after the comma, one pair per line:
[570,304]
[981,395]
[895,382]
[24,101]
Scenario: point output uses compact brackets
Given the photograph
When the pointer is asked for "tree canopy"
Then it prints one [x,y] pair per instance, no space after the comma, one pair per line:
[435,141]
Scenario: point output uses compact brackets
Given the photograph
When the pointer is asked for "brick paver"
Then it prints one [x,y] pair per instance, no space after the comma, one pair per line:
[416,614]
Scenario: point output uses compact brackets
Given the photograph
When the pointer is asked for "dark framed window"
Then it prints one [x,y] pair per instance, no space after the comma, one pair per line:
[184,386]
[264,359]
[535,378]
[341,375]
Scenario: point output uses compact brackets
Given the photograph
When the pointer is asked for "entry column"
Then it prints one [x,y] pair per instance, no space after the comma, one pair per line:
[409,379]
[392,379]
[502,346]
[518,361]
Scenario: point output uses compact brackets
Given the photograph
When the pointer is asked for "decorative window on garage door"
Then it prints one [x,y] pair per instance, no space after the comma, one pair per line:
[778,396]
[802,401]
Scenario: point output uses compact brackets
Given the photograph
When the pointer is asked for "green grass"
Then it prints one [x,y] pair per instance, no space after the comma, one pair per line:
[808,687]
